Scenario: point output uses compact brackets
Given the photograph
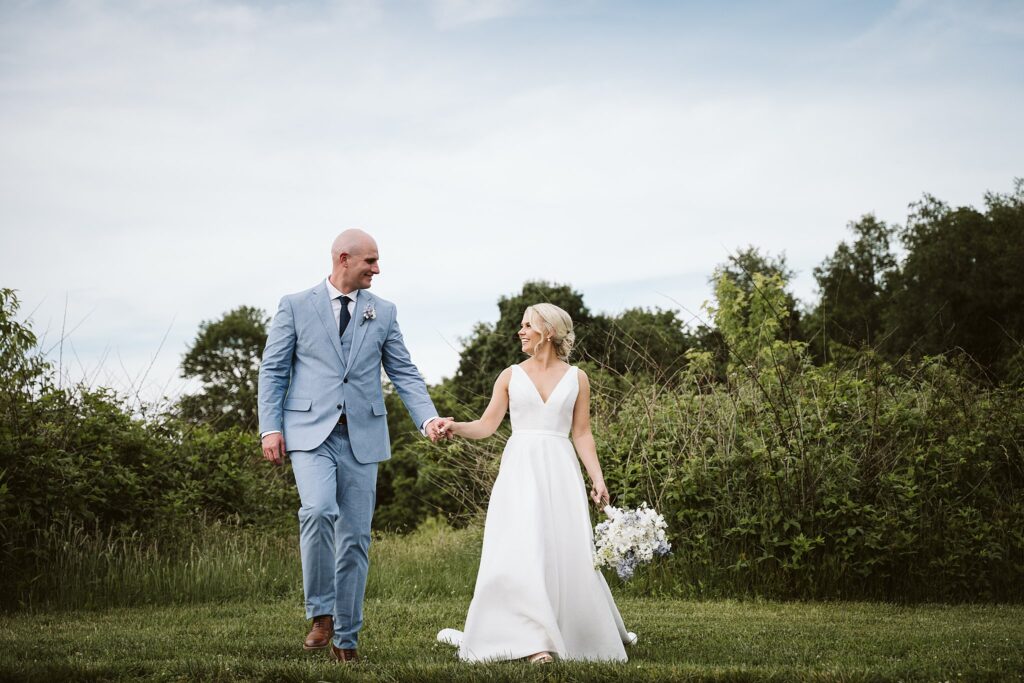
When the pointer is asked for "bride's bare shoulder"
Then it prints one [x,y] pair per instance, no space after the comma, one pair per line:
[505,376]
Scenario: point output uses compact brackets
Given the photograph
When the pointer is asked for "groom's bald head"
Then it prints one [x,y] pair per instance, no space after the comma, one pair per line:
[352,241]
[353,260]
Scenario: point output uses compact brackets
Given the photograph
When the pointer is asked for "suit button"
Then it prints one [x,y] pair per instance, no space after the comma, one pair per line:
[345,380]
[339,406]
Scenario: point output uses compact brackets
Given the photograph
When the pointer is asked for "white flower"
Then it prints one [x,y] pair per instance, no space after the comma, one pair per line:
[629,538]
[369,313]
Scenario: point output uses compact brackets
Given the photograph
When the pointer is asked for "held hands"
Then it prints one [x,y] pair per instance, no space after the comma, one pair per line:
[273,448]
[441,429]
[599,493]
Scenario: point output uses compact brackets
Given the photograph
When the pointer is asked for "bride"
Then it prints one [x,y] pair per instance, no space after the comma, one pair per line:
[537,593]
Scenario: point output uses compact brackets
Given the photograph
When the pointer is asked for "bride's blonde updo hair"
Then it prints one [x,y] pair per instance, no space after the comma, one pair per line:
[555,325]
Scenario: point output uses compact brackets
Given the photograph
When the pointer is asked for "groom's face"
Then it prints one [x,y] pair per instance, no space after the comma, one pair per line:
[362,266]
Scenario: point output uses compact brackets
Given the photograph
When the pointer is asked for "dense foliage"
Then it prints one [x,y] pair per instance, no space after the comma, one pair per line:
[225,357]
[77,458]
[869,445]
[957,289]
[654,341]
[795,480]
[855,285]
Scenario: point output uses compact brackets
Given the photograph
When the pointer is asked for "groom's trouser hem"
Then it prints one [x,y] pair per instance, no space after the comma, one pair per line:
[319,609]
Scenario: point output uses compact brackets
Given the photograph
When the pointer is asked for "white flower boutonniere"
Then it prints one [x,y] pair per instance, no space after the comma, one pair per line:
[369,313]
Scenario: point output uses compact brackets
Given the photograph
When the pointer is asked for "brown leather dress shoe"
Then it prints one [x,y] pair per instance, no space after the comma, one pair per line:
[344,655]
[320,635]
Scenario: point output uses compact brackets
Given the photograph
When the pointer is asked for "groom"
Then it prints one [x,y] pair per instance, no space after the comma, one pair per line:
[320,388]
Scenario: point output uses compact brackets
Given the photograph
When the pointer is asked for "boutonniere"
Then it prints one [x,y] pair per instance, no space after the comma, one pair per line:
[369,313]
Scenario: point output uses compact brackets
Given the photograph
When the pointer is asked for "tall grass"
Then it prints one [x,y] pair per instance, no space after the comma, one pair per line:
[220,562]
[435,561]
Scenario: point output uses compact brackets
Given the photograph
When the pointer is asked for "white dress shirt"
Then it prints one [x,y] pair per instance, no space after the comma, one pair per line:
[336,295]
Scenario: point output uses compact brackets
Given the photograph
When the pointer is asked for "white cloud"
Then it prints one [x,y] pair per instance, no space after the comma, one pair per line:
[163,165]
[920,32]
[455,13]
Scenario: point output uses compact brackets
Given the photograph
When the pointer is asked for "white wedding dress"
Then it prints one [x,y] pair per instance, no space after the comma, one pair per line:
[537,589]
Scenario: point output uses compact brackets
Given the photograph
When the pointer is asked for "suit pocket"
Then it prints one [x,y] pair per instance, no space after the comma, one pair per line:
[378,408]
[300,404]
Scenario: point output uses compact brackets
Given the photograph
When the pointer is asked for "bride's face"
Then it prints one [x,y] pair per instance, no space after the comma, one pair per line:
[529,338]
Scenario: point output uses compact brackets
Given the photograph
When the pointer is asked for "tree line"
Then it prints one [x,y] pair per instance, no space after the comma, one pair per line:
[864,445]
[956,288]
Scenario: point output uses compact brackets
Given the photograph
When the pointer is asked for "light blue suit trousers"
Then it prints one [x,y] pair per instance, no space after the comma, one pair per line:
[338,494]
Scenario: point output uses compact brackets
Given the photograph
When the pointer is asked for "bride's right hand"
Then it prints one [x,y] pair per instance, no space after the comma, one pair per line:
[599,494]
[447,428]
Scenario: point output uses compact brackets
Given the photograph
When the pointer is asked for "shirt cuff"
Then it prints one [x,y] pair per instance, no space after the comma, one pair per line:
[272,431]
[423,427]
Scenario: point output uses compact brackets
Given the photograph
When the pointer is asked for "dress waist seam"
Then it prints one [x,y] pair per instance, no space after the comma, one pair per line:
[541,432]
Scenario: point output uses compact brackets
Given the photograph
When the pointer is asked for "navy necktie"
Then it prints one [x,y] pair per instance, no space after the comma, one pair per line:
[345,315]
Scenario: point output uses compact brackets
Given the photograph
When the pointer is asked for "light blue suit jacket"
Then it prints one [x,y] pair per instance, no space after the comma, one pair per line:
[305,383]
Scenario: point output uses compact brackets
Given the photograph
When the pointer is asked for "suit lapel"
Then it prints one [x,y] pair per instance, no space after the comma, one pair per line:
[322,306]
[363,299]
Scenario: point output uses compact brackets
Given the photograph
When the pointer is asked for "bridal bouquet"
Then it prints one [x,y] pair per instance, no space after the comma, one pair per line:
[629,538]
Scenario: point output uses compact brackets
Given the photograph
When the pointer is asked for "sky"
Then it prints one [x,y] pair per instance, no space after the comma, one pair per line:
[165,161]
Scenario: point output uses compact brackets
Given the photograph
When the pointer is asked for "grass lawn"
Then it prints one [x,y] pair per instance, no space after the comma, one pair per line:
[230,609]
[679,640]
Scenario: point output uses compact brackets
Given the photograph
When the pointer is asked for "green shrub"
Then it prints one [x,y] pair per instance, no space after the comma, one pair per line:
[74,459]
[792,480]
[801,481]
[871,487]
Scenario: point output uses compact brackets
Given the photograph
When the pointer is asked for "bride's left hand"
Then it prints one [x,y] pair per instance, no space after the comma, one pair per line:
[599,494]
